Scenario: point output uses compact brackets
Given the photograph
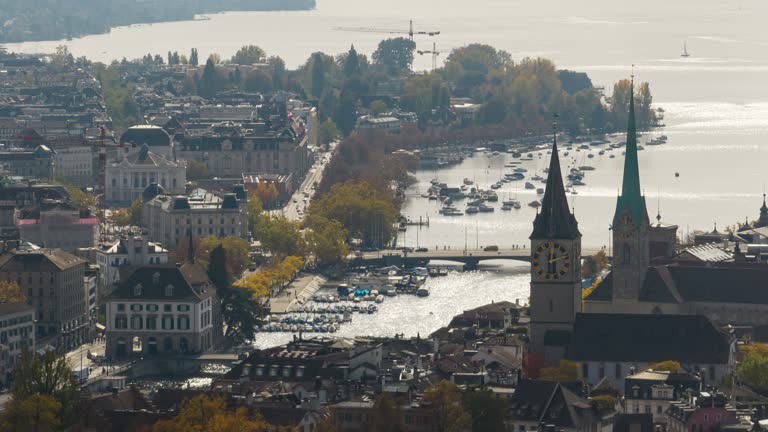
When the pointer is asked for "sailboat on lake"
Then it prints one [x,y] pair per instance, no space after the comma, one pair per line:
[685,51]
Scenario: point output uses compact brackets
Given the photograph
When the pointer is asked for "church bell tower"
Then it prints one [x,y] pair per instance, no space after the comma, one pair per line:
[631,226]
[555,269]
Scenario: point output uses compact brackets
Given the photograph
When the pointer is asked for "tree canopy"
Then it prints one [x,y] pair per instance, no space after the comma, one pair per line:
[209,414]
[565,371]
[446,410]
[249,54]
[395,55]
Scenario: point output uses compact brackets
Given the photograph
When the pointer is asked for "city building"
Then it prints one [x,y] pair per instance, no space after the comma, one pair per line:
[54,283]
[168,218]
[704,412]
[229,149]
[154,137]
[555,407]
[57,224]
[371,124]
[31,163]
[163,309]
[652,392]
[611,346]
[14,196]
[131,249]
[127,178]
[76,164]
[17,332]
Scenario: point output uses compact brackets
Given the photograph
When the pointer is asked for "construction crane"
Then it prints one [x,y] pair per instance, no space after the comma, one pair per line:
[409,32]
[435,54]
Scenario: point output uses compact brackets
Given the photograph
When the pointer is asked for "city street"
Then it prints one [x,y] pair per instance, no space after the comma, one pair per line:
[314,176]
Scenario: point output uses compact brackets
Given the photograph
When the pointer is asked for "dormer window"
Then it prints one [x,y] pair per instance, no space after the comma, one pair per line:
[169,291]
[299,371]
[156,278]
[137,290]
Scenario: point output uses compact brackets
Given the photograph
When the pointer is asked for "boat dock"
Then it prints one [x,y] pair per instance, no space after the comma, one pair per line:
[298,292]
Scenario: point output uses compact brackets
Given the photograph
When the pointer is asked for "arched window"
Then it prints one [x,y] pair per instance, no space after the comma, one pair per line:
[626,254]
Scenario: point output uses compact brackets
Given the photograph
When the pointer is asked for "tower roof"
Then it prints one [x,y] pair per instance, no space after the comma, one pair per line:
[631,198]
[555,219]
[763,219]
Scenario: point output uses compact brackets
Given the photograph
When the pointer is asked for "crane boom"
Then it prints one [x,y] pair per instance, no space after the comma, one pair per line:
[408,32]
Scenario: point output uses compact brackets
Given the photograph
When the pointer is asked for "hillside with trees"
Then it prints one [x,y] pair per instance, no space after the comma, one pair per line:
[55,19]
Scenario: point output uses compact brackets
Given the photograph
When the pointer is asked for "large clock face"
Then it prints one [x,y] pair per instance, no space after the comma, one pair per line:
[551,261]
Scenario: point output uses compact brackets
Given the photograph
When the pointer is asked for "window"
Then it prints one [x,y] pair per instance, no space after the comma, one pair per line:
[121,322]
[658,409]
[167,323]
[151,323]
[136,322]
[706,417]
[601,371]
[648,409]
[551,306]
[636,408]
[169,291]
[617,370]
[167,308]
[182,323]
[120,307]
[626,254]
[182,308]
[136,307]
[585,370]
[156,278]
[151,308]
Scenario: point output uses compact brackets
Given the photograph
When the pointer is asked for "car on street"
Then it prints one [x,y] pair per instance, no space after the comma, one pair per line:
[422,249]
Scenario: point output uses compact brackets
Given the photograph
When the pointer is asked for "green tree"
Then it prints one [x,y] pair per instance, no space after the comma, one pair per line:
[241,312]
[395,55]
[80,198]
[346,113]
[217,269]
[193,57]
[248,55]
[258,82]
[134,212]
[321,74]
[327,240]
[118,96]
[566,371]
[387,415]
[255,211]
[277,65]
[378,107]
[753,371]
[351,63]
[197,171]
[363,211]
[36,413]
[445,408]
[209,84]
[668,365]
[209,414]
[488,413]
[280,236]
[46,375]
[327,132]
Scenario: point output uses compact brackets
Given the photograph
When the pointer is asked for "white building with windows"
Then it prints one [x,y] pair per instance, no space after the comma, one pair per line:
[132,249]
[163,310]
[17,332]
[127,178]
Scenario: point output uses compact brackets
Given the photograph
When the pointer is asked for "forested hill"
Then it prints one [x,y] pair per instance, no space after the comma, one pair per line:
[32,20]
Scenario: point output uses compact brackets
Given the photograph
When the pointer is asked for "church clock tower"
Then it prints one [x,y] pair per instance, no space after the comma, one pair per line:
[555,269]
[631,226]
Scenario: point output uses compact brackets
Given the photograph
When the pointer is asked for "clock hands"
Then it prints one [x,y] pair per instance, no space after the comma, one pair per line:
[558,259]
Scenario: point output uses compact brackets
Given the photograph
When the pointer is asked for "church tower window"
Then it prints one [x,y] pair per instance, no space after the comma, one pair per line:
[626,254]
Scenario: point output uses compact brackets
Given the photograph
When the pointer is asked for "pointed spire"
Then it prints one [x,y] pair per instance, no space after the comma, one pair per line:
[555,220]
[631,197]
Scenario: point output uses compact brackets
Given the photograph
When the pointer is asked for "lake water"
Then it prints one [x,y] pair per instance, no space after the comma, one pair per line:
[716,103]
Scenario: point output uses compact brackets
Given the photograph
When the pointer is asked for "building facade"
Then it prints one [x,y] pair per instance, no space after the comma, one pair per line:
[54,283]
[57,224]
[168,218]
[35,163]
[127,179]
[76,164]
[132,249]
[17,332]
[163,309]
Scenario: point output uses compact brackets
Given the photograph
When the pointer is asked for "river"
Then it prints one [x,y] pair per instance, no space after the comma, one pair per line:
[716,106]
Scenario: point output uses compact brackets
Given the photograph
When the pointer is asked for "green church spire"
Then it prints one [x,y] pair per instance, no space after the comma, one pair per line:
[631,197]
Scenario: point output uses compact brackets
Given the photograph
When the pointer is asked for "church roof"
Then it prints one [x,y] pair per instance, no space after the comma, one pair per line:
[707,282]
[648,338]
[763,220]
[631,198]
[555,219]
